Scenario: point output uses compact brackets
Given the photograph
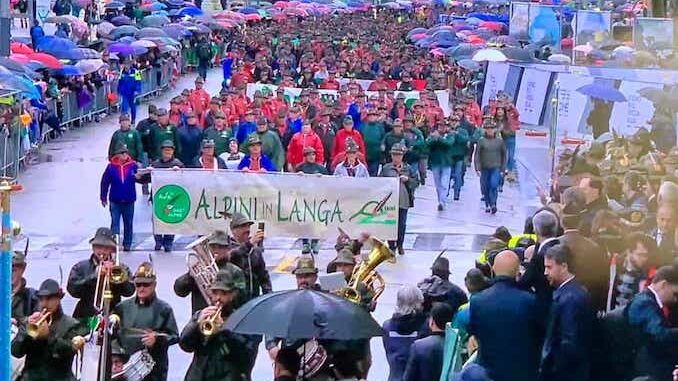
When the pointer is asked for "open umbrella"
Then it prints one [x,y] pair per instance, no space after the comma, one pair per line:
[515,53]
[121,48]
[53,44]
[469,64]
[35,65]
[603,92]
[151,32]
[14,82]
[67,71]
[121,20]
[190,11]
[490,55]
[13,66]
[124,30]
[89,66]
[153,7]
[586,48]
[303,314]
[659,97]
[49,60]
[114,5]
[145,44]
[559,58]
[155,21]
[504,40]
[20,58]
[19,48]
[105,28]
[254,17]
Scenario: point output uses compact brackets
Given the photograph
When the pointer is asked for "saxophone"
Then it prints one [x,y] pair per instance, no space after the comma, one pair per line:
[202,266]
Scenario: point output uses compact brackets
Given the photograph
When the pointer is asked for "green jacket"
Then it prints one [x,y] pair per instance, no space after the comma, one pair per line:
[159,135]
[49,359]
[157,316]
[460,146]
[220,357]
[440,150]
[221,138]
[416,145]
[271,146]
[24,302]
[406,196]
[390,139]
[130,138]
[373,135]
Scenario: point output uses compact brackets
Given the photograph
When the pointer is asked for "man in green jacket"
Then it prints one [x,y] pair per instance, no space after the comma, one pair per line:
[373,134]
[127,136]
[415,143]
[161,132]
[393,137]
[271,145]
[218,132]
[458,154]
[49,350]
[439,143]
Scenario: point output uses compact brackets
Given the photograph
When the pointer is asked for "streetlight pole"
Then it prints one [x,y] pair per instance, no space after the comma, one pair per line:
[6,188]
[4,28]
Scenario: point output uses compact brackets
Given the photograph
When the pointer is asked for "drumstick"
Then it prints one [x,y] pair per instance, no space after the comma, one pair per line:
[139,332]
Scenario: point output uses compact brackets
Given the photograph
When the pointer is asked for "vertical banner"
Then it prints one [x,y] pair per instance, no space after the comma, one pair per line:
[652,33]
[629,116]
[544,25]
[532,95]
[593,27]
[520,20]
[571,103]
[494,80]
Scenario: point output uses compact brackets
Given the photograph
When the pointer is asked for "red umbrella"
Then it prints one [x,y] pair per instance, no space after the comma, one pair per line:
[281,4]
[19,48]
[491,25]
[253,17]
[20,58]
[47,60]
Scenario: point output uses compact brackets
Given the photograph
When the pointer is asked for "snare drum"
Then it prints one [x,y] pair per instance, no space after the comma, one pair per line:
[313,356]
[139,366]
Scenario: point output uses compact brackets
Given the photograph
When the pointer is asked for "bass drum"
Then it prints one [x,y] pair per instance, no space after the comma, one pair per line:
[17,364]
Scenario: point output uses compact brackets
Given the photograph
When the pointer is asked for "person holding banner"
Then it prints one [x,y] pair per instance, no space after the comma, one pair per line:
[346,134]
[351,166]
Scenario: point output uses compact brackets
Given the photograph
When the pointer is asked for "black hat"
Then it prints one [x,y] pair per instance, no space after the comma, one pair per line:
[441,265]
[103,237]
[207,143]
[441,313]
[220,238]
[50,287]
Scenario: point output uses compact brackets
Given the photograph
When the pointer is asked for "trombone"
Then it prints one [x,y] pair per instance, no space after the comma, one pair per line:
[33,329]
[117,275]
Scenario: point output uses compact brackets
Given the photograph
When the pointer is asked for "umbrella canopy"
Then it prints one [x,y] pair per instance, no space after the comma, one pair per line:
[145,44]
[505,40]
[249,10]
[89,66]
[151,32]
[35,65]
[67,71]
[121,20]
[153,7]
[13,66]
[19,48]
[124,30]
[54,44]
[469,64]
[155,21]
[105,28]
[659,97]
[603,92]
[586,49]
[20,58]
[303,314]
[65,19]
[190,11]
[114,5]
[49,60]
[203,28]
[126,49]
[13,82]
[559,58]
[463,51]
[490,55]
[518,54]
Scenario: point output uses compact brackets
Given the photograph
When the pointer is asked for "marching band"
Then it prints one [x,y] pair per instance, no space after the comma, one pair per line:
[108,338]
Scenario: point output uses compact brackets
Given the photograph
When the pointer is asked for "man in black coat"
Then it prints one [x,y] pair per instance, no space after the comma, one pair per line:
[24,299]
[425,362]
[505,319]
[664,234]
[566,351]
[438,287]
[656,356]
[82,281]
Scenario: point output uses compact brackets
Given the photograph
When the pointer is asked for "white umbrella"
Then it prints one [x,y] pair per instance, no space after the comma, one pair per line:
[491,55]
[560,58]
[90,66]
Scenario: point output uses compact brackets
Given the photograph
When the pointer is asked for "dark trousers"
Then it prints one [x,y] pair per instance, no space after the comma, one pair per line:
[127,105]
[402,225]
[489,185]
[126,211]
[164,240]
[373,168]
[202,69]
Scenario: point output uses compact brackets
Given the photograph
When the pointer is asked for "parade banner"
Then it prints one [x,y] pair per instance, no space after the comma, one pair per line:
[292,93]
[494,80]
[532,95]
[192,202]
[652,33]
[520,20]
[627,117]
[592,27]
[571,104]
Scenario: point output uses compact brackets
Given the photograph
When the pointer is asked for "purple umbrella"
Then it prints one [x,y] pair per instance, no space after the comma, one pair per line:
[121,20]
[603,92]
[124,49]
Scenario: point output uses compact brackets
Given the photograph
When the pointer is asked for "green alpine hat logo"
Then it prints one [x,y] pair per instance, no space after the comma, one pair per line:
[171,204]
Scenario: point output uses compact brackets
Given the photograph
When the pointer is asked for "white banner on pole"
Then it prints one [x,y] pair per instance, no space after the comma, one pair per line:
[571,103]
[494,80]
[627,117]
[532,95]
[294,92]
[292,205]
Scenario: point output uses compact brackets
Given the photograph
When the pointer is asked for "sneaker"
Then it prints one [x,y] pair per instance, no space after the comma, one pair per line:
[494,210]
[440,207]
[456,197]
[401,251]
[487,209]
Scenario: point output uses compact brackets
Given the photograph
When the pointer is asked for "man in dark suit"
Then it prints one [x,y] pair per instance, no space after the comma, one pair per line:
[545,224]
[664,235]
[589,261]
[596,200]
[656,355]
[505,319]
[566,351]
[425,362]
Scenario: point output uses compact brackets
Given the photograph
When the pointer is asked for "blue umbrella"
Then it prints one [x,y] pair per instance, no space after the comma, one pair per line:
[603,92]
[67,71]
[484,16]
[154,7]
[121,20]
[151,32]
[125,30]
[77,54]
[248,10]
[19,83]
[155,21]
[190,11]
[114,5]
[126,49]
[160,13]
[51,44]
[35,65]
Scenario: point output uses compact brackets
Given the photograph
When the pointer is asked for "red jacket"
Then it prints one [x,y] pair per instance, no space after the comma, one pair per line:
[200,101]
[330,84]
[340,141]
[295,150]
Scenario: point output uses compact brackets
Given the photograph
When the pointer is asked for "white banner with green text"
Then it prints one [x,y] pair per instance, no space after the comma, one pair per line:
[192,202]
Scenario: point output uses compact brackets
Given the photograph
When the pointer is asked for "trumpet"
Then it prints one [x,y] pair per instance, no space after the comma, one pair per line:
[367,274]
[33,329]
[211,325]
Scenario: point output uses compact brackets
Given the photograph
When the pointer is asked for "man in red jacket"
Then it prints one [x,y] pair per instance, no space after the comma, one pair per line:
[199,99]
[301,140]
[347,132]
[331,82]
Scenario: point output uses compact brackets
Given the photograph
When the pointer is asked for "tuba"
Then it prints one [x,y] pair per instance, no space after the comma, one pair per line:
[201,265]
[366,273]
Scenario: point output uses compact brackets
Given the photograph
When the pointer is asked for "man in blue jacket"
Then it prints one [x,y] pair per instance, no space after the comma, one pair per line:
[129,85]
[426,355]
[118,191]
[505,319]
[566,354]
[656,356]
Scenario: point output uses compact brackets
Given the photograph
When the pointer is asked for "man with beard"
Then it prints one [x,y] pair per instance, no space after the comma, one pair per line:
[218,355]
[220,245]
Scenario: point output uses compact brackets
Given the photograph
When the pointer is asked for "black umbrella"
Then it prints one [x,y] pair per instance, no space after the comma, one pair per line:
[303,314]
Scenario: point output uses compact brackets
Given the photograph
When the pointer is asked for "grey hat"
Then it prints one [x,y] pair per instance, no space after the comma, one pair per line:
[167,144]
[124,116]
[18,258]
[345,256]
[50,287]
[120,148]
[347,120]
[305,265]
[220,238]
[103,237]
[207,143]
[145,273]
[238,220]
